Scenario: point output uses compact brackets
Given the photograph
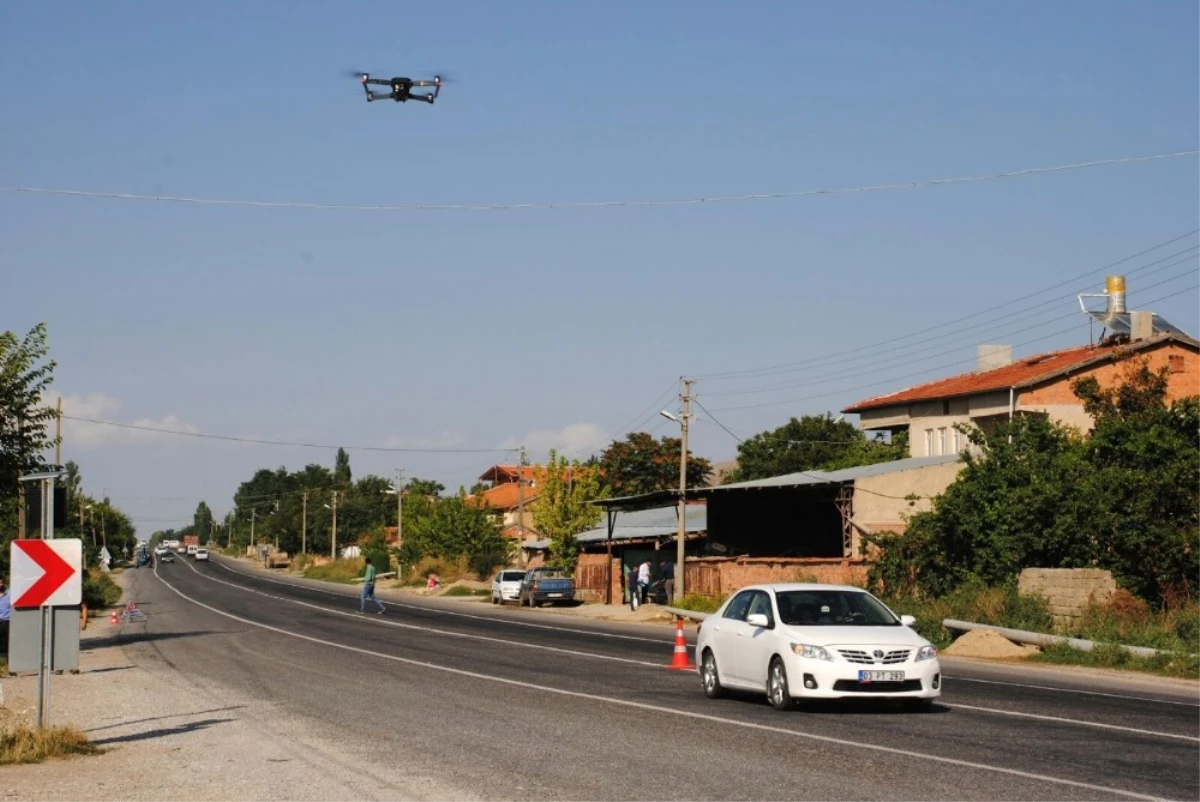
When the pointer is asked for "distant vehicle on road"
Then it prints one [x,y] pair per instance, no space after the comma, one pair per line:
[201,554]
[542,585]
[796,641]
[506,585]
[167,557]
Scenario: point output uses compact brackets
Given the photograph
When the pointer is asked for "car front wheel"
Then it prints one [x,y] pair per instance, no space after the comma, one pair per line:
[709,676]
[777,686]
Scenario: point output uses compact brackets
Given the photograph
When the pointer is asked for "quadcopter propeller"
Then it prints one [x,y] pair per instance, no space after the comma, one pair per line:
[444,77]
[355,73]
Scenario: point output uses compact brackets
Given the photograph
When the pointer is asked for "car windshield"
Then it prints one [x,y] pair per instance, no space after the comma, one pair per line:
[832,608]
[512,576]
[549,575]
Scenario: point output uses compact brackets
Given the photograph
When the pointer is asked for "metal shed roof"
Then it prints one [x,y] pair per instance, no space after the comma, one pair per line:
[831,477]
[649,523]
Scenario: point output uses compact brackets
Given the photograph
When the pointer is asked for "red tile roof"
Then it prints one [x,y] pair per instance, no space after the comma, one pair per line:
[506,473]
[1020,373]
[505,496]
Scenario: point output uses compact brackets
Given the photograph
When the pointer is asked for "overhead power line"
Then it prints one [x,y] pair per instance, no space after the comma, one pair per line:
[785,367]
[894,379]
[287,443]
[470,207]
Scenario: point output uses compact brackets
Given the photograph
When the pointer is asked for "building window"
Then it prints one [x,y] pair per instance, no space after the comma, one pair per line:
[1176,362]
[929,442]
[946,406]
[942,443]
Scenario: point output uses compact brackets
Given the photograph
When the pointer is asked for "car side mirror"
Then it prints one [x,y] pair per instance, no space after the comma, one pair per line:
[758,620]
[907,620]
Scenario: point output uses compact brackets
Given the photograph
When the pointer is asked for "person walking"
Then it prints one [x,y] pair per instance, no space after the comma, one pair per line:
[368,590]
[5,613]
[667,570]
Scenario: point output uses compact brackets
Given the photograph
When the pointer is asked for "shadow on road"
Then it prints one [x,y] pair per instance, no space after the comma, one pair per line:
[160,718]
[121,639]
[162,733]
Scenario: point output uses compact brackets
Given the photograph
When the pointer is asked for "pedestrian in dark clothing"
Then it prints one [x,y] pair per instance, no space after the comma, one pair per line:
[667,572]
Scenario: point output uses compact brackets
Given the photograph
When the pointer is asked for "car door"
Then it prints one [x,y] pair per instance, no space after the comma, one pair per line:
[729,633]
[756,644]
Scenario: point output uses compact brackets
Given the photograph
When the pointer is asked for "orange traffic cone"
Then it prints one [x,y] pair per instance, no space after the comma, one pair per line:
[680,661]
[112,619]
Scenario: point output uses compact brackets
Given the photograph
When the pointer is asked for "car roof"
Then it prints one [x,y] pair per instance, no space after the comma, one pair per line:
[788,586]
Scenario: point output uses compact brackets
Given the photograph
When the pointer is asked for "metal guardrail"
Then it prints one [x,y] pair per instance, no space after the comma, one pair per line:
[694,615]
[1040,639]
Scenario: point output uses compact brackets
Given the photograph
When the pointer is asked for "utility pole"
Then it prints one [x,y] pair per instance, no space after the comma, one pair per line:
[333,536]
[683,460]
[521,496]
[58,435]
[304,525]
[399,507]
[253,518]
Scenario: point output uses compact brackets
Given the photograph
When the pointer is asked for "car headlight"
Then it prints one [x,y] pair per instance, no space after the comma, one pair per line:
[811,652]
[926,653]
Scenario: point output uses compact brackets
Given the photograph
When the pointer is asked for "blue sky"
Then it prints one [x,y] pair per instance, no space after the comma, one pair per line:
[486,329]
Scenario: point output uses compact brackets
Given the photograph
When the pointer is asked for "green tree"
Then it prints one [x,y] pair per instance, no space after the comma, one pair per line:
[25,374]
[561,510]
[424,487]
[640,464]
[341,470]
[811,443]
[202,521]
[450,527]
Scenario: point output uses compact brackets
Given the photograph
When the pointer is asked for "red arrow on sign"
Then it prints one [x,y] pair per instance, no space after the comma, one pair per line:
[57,572]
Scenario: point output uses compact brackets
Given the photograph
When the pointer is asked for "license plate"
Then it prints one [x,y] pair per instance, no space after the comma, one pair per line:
[881,676]
[554,595]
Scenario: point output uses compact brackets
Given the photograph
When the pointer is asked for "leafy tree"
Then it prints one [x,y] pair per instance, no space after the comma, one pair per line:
[24,376]
[341,470]
[202,521]
[640,464]
[449,527]
[561,509]
[1040,494]
[425,487]
[811,443]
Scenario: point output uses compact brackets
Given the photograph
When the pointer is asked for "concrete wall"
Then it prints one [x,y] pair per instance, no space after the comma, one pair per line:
[876,507]
[1068,590]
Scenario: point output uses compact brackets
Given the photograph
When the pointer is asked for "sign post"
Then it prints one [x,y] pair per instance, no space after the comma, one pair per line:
[46,573]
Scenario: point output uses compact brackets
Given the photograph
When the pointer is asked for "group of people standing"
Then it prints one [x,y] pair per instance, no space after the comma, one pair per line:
[640,580]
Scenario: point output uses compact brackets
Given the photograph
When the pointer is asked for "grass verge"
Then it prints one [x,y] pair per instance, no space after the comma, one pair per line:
[465,590]
[25,744]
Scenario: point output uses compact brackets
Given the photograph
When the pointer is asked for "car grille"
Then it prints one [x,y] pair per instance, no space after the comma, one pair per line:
[875,656]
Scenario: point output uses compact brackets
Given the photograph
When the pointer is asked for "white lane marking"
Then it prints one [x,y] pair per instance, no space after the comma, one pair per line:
[487,618]
[668,711]
[1076,721]
[386,622]
[1073,690]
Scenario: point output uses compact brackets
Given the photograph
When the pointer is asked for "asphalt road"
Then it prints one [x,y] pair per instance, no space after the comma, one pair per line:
[506,703]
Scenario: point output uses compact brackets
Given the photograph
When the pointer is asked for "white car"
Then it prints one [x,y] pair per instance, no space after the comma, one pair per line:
[506,586]
[795,641]
[201,554]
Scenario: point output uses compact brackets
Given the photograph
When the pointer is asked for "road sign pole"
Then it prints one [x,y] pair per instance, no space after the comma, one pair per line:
[47,611]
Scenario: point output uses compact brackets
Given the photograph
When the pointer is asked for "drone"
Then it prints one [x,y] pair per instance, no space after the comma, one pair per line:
[400,89]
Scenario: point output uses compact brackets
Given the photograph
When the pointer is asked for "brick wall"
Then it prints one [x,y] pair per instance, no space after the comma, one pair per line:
[1068,590]
[1182,384]
[716,577]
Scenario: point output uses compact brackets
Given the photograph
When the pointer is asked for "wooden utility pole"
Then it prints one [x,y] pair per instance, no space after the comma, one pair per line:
[58,435]
[683,460]
[521,496]
[304,524]
[333,535]
[399,507]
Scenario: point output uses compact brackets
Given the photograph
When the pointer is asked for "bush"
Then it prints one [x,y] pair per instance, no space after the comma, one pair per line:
[447,570]
[99,590]
[341,570]
[25,744]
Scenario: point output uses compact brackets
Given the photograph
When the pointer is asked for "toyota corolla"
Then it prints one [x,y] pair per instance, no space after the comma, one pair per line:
[798,641]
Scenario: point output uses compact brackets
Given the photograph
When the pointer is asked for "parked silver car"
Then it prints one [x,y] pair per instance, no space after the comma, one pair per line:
[506,586]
